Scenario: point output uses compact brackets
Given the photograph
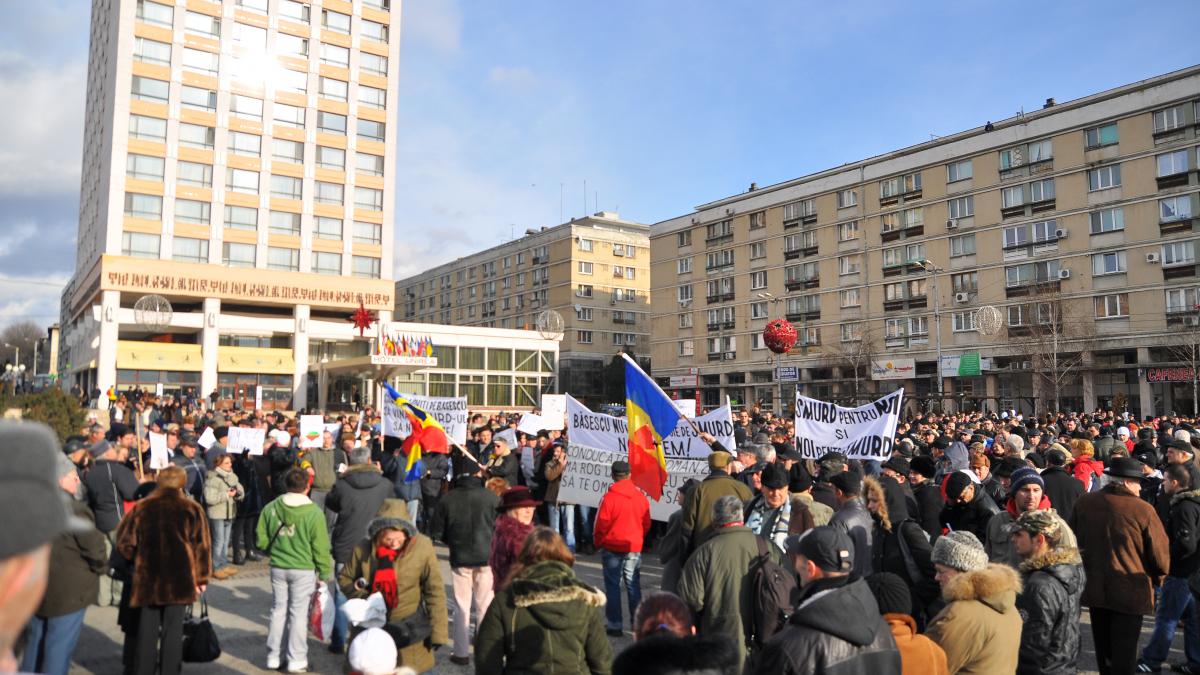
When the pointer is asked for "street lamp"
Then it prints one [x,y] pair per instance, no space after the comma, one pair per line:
[778,403]
[13,372]
[933,271]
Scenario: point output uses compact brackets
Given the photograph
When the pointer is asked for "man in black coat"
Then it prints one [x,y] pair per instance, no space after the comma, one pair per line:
[928,497]
[109,485]
[968,506]
[1053,581]
[1176,604]
[1062,489]
[465,519]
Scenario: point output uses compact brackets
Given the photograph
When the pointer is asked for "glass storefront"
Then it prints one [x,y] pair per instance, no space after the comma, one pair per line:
[237,390]
[174,382]
[490,377]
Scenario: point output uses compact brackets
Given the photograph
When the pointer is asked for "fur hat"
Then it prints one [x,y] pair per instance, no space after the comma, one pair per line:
[960,550]
[956,483]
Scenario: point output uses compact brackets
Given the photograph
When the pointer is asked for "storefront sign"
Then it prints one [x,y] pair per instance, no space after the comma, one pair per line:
[1181,374]
[420,361]
[893,369]
[970,364]
[678,381]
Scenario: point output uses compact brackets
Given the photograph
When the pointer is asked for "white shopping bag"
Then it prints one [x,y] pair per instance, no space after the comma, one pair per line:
[369,613]
[321,613]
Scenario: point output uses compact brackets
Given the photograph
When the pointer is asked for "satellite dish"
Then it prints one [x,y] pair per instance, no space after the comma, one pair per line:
[153,312]
[988,320]
[550,325]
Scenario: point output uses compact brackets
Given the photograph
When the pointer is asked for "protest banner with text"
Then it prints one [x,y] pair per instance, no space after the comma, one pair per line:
[865,432]
[449,411]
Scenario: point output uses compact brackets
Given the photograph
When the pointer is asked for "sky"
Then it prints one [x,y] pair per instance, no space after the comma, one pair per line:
[508,108]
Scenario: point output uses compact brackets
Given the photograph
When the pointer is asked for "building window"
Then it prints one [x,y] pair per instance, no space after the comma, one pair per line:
[1174,208]
[962,207]
[583,291]
[378,4]
[1042,190]
[335,21]
[331,123]
[720,259]
[583,313]
[329,193]
[333,89]
[285,259]
[246,107]
[205,62]
[287,151]
[585,244]
[1112,306]
[367,233]
[283,222]
[256,5]
[290,45]
[373,63]
[583,337]
[368,198]
[758,280]
[683,265]
[849,298]
[687,347]
[585,267]
[287,187]
[1104,177]
[957,171]
[758,250]
[372,97]
[848,231]
[194,212]
[1012,196]
[1108,263]
[1178,253]
[849,264]
[327,228]
[155,13]
[683,293]
[369,164]
[1108,220]
[326,263]
[245,144]
[965,322]
[685,320]
[296,11]
[961,245]
[1098,137]
[147,128]
[684,238]
[139,245]
[366,267]
[1181,300]
[335,55]
[195,174]
[965,282]
[146,207]
[186,249]
[1168,119]
[241,217]
[371,130]
[144,167]
[758,220]
[373,30]
[147,89]
[202,23]
[241,180]
[152,51]
[237,255]
[1172,163]
[758,310]
[851,332]
[847,198]
[290,115]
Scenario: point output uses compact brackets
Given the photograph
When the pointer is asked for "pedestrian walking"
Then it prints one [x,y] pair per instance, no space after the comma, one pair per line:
[222,492]
[1049,602]
[621,527]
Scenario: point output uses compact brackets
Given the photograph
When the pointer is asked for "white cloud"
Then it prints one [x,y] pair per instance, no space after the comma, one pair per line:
[13,237]
[41,126]
[437,23]
[515,78]
[30,299]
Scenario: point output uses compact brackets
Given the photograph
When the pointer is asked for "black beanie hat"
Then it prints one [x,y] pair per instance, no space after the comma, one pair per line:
[891,593]
[924,465]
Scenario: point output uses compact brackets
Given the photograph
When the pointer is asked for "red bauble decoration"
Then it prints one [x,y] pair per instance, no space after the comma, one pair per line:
[780,336]
[362,319]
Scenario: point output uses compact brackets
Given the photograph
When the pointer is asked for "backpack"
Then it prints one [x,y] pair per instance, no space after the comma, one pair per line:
[774,591]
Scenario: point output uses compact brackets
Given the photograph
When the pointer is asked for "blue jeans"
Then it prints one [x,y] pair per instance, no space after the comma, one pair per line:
[586,520]
[341,625]
[620,567]
[51,643]
[562,520]
[1175,604]
[220,541]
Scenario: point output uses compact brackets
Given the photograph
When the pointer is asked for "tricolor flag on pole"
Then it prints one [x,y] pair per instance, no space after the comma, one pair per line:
[427,435]
[652,416]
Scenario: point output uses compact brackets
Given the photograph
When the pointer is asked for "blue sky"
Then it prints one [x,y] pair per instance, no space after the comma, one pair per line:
[659,105]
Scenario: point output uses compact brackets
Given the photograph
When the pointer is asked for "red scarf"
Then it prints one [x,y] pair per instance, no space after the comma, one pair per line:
[385,576]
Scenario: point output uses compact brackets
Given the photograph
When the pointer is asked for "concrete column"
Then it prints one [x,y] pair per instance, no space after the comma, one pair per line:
[837,381]
[300,357]
[948,403]
[209,334]
[991,386]
[1145,393]
[322,387]
[106,355]
[1088,382]
[1039,400]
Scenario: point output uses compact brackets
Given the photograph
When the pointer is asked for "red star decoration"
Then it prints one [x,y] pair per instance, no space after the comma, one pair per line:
[362,319]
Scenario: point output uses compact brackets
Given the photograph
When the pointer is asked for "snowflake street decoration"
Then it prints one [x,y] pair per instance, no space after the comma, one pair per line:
[362,319]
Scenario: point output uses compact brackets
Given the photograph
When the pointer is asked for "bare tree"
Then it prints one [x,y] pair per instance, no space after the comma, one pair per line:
[1187,351]
[1058,336]
[20,336]
[856,355]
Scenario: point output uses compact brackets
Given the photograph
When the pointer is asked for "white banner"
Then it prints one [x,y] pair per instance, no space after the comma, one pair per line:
[530,424]
[311,428]
[241,439]
[207,438]
[686,406]
[450,411]
[554,411]
[865,432]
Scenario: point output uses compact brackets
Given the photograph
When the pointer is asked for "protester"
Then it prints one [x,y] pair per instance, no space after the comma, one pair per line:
[800,489]
[436,467]
[622,523]
[981,466]
[1025,495]
[561,514]
[671,547]
[902,548]
[325,461]
[504,462]
[918,654]
[1086,469]
[222,492]
[394,559]
[853,518]
[830,465]
[968,507]
[166,538]
[512,527]
[714,582]
[464,520]
[1061,488]
[665,643]
[1049,603]
[545,620]
[109,485]
[893,478]
[719,483]
[197,471]
[772,515]
[837,626]
[291,530]
[929,499]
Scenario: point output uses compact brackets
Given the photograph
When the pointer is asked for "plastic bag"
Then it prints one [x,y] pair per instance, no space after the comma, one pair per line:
[368,613]
[321,613]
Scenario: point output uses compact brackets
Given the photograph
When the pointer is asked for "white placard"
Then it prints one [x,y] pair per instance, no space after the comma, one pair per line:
[554,411]
[449,411]
[509,436]
[207,438]
[686,406]
[311,428]
[158,392]
[258,397]
[160,455]
[530,424]
[865,432]
[242,439]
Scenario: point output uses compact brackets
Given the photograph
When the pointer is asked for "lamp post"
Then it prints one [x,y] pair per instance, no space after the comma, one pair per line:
[778,403]
[933,271]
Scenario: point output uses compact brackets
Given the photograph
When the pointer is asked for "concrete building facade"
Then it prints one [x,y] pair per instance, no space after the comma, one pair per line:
[1068,233]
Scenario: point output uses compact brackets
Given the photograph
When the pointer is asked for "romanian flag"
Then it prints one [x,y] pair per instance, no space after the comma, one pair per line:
[652,416]
[427,435]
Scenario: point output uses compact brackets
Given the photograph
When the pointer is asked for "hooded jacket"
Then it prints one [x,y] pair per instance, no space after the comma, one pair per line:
[697,516]
[918,654]
[623,519]
[300,541]
[853,518]
[972,516]
[999,545]
[465,519]
[1050,607]
[1183,529]
[666,654]
[929,508]
[717,586]
[980,628]
[355,498]
[545,622]
[1087,470]
[819,638]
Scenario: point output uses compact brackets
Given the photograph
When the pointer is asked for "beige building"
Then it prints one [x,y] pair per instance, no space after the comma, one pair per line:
[237,162]
[593,271]
[1047,256]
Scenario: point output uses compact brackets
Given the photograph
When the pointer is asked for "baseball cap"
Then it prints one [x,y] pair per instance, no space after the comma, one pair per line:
[719,459]
[827,547]
[30,454]
[1043,521]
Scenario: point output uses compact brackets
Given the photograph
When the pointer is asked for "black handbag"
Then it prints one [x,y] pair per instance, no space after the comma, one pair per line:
[200,644]
[414,628]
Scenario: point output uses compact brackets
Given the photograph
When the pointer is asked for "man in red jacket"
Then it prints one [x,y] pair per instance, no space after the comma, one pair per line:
[621,525]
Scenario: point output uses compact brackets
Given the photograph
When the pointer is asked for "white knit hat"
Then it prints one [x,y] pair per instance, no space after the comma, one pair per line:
[960,550]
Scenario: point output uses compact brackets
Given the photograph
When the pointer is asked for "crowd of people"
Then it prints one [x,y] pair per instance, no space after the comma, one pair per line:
[973,548]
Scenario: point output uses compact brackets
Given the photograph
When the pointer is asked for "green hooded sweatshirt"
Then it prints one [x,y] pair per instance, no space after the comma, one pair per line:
[302,542]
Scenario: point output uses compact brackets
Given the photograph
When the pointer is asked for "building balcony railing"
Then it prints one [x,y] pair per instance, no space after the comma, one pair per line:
[1178,225]
[722,325]
[718,240]
[1033,287]
[720,297]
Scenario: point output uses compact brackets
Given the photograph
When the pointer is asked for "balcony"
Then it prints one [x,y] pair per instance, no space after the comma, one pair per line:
[1178,225]
[789,224]
[720,297]
[1032,288]
[809,250]
[792,254]
[798,284]
[804,315]
[1179,271]
[889,200]
[722,356]
[1172,180]
[893,270]
[718,240]
[1012,211]
[917,302]
[1182,316]
[1042,206]
[722,325]
[914,230]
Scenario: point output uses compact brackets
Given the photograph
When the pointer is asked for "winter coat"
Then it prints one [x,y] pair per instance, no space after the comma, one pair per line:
[623,519]
[109,484]
[1062,489]
[999,544]
[166,537]
[823,493]
[1183,530]
[545,622]
[282,460]
[671,553]
[76,562]
[254,473]
[222,505]
[1049,605]
[393,465]
[197,475]
[418,580]
[1104,445]
[1087,470]
[821,514]
[507,467]
[697,517]
[465,519]
[665,654]
[793,517]
[888,556]
[437,469]
[506,545]
[929,508]
[900,501]
[325,462]
[972,517]
[355,498]
[1125,550]
[549,478]
[918,654]
[837,631]
[854,519]
[980,628]
[717,586]
[994,489]
[291,530]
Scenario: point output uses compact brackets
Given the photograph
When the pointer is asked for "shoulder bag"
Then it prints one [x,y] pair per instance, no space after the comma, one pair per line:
[200,644]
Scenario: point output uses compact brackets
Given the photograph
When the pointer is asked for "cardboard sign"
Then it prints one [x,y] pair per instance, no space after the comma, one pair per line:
[554,411]
[687,406]
[449,411]
[311,427]
[242,439]
[160,456]
[530,424]
[207,438]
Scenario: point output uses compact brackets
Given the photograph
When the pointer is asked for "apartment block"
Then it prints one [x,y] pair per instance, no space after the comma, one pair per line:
[1048,258]
[237,162]
[593,271]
